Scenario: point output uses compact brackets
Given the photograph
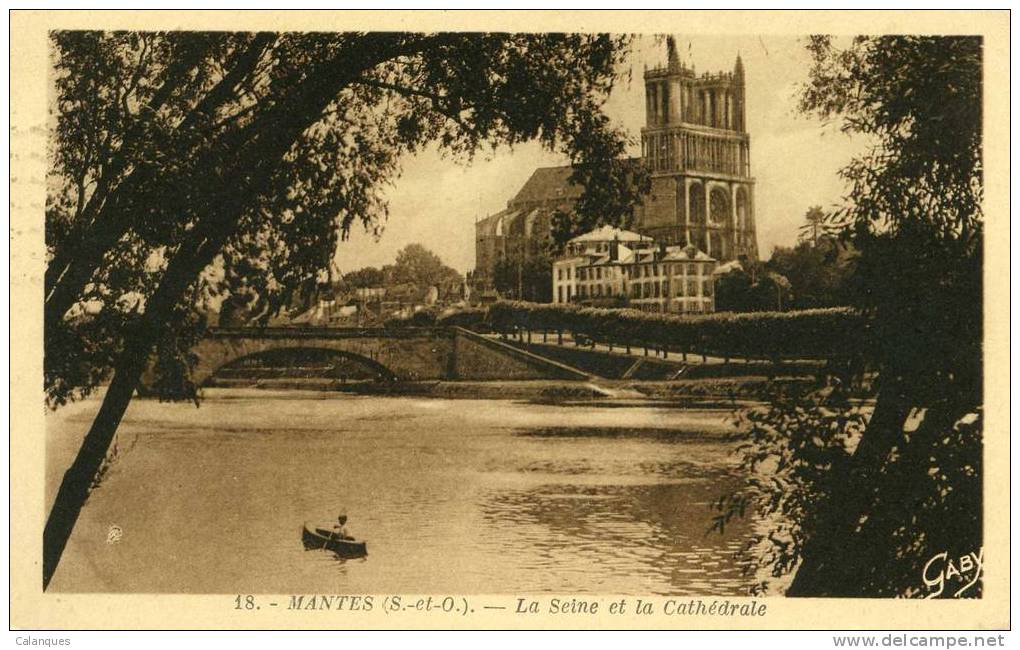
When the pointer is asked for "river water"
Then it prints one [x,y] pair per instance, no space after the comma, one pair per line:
[452,496]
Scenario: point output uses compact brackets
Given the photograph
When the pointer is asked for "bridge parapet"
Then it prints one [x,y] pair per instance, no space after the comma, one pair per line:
[404,353]
[329,332]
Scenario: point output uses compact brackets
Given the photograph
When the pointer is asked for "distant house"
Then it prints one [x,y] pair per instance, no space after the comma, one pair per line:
[676,279]
[325,312]
[584,249]
[370,293]
[615,267]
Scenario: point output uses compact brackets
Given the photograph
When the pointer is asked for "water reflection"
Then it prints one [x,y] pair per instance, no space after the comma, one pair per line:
[643,538]
[454,496]
[664,435]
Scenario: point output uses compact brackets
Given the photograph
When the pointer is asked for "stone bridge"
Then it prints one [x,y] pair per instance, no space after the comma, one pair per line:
[405,353]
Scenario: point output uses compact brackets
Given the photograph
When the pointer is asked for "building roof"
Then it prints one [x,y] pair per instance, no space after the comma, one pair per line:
[624,256]
[608,233]
[673,254]
[548,184]
[686,254]
[552,184]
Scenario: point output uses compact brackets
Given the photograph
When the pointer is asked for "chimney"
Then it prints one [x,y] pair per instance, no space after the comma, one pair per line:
[662,251]
[614,250]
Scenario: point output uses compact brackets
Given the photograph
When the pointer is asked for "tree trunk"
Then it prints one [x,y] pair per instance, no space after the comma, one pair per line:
[854,559]
[203,244]
[77,482]
[823,565]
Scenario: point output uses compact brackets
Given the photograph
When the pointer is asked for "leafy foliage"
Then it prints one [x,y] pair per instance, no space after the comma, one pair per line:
[792,451]
[916,196]
[257,153]
[737,291]
[621,183]
[528,279]
[818,272]
[364,278]
[421,318]
[819,332]
[920,98]
[178,154]
[419,266]
[861,520]
[797,452]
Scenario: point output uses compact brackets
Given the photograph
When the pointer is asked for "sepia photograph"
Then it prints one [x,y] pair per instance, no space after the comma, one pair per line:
[522,320]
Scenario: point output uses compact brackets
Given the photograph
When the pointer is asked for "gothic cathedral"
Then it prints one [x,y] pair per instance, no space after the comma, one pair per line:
[696,146]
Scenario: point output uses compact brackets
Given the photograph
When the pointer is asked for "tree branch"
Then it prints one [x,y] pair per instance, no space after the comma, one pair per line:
[438,101]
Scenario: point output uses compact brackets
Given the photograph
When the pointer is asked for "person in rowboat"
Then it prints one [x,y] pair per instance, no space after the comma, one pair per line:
[340,528]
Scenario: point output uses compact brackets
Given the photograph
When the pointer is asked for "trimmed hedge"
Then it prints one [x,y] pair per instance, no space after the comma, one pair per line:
[814,333]
[473,319]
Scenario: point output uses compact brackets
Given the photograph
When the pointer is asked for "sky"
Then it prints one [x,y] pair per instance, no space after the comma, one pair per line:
[794,158]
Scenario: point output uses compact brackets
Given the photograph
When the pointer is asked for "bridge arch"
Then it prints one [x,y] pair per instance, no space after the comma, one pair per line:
[372,365]
[405,354]
[216,352]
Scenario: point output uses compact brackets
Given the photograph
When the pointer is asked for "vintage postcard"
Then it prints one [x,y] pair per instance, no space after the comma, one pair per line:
[581,320]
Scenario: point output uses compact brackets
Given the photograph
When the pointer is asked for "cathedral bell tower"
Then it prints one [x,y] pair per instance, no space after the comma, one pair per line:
[696,146]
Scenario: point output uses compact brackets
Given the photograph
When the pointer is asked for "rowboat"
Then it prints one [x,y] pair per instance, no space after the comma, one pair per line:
[317,537]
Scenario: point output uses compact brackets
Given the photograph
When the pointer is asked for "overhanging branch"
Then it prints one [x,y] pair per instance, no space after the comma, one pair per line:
[439,102]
